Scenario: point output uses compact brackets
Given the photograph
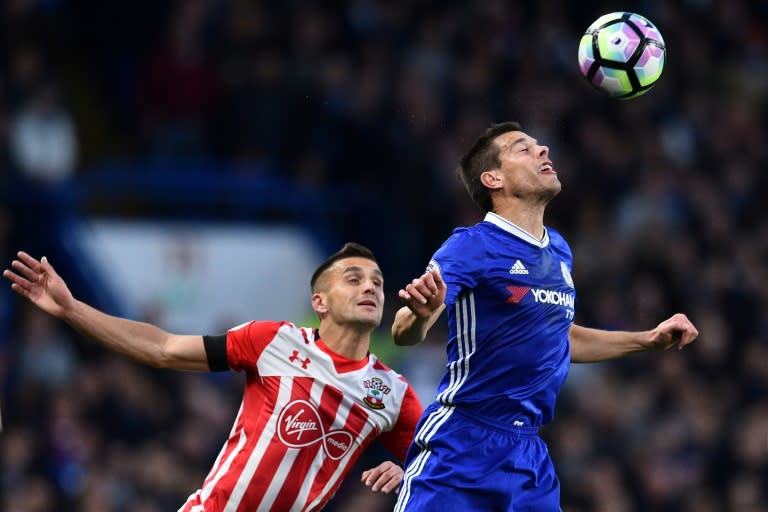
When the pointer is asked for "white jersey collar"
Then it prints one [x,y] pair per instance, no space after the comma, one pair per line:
[516,230]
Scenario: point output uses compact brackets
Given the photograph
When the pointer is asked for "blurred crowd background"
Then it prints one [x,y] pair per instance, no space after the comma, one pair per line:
[364,106]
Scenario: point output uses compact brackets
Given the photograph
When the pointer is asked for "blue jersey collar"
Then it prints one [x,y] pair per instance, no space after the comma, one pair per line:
[516,230]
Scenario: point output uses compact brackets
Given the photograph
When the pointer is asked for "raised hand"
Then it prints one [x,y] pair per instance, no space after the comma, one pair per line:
[385,477]
[424,294]
[37,281]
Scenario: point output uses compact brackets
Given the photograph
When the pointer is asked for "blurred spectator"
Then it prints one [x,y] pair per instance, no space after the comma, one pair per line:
[43,138]
[33,495]
[179,87]
[663,196]
[44,355]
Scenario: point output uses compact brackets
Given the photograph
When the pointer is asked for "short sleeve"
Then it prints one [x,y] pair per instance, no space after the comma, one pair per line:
[459,262]
[246,342]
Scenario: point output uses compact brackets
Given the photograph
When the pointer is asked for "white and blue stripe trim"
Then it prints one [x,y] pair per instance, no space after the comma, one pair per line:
[459,371]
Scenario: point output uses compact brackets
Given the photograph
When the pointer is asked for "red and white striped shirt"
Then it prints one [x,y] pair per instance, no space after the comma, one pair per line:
[307,415]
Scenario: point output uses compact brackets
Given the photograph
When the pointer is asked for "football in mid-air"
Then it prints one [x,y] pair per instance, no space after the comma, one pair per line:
[622,54]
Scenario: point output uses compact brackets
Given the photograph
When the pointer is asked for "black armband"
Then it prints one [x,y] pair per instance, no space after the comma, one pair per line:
[216,350]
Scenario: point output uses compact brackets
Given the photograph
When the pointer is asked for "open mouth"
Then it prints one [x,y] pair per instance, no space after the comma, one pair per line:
[547,167]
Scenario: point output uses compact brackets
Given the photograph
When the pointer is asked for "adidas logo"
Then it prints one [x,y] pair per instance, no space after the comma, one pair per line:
[518,268]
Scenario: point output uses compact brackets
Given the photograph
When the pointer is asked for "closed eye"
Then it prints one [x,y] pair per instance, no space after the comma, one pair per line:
[520,147]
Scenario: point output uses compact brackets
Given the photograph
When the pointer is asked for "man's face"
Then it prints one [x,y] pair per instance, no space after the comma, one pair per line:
[526,167]
[351,291]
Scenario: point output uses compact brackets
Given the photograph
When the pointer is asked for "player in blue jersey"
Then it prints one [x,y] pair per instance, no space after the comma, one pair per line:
[506,283]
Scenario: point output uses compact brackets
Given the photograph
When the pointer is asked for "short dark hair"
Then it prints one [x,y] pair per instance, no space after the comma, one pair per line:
[350,250]
[483,156]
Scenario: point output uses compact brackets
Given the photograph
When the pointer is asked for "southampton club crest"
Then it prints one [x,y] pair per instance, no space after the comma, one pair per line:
[375,391]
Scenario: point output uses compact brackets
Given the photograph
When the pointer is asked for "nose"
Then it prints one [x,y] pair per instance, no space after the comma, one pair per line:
[370,286]
[543,150]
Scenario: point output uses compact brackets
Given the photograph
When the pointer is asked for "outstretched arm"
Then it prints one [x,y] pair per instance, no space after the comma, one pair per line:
[593,345]
[37,281]
[424,301]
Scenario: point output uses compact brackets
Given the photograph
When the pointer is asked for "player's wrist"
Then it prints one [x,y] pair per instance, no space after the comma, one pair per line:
[648,339]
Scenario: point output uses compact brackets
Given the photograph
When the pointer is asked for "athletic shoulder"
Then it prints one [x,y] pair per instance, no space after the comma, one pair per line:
[558,240]
[379,366]
[463,240]
[554,234]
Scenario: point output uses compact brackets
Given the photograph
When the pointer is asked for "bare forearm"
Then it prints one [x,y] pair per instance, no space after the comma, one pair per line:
[594,345]
[140,341]
[37,281]
[410,329]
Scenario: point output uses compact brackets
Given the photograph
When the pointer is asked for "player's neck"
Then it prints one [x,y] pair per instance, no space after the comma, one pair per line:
[352,343]
[525,216]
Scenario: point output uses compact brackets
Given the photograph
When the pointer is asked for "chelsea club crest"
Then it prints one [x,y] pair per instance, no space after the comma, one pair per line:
[566,274]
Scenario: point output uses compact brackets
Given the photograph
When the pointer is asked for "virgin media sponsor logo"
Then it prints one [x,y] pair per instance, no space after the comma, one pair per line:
[300,425]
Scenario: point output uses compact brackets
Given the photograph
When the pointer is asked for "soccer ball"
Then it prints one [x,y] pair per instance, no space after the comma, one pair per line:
[622,54]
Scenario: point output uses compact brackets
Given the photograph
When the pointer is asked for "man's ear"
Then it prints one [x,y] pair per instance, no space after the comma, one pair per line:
[491,179]
[318,303]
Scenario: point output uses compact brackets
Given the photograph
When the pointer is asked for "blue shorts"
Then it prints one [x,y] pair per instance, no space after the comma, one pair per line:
[462,463]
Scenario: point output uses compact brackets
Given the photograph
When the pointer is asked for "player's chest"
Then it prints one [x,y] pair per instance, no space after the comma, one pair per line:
[530,280]
[304,384]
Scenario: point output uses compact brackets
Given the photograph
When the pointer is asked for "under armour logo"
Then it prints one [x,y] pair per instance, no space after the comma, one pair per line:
[295,357]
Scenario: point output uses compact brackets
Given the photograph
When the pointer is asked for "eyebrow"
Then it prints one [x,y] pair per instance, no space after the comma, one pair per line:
[523,140]
[360,270]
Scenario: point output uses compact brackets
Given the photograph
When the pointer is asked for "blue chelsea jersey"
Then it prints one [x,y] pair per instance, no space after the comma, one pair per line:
[510,304]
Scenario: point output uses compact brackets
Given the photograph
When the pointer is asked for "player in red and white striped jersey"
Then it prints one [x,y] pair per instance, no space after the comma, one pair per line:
[314,399]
